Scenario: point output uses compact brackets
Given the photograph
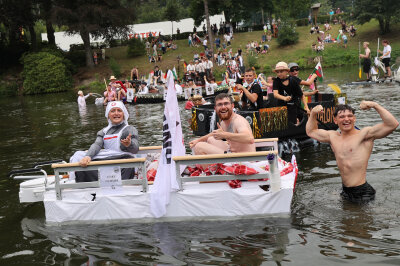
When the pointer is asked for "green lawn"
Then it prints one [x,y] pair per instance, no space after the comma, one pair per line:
[334,54]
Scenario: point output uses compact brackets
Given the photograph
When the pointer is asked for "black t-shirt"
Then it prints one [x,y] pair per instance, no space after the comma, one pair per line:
[255,88]
[292,89]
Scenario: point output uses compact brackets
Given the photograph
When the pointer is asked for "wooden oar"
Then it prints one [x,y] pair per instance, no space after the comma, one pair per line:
[335,88]
[359,61]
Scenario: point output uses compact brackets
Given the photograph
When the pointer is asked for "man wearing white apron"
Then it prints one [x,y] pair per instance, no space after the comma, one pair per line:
[118,139]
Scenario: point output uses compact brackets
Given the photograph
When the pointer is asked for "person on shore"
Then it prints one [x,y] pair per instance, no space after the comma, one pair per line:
[118,140]
[366,60]
[352,147]
[386,53]
[252,95]
[233,128]
[134,73]
[82,99]
[288,92]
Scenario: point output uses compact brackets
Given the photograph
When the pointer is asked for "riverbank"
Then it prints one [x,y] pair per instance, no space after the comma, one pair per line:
[334,55]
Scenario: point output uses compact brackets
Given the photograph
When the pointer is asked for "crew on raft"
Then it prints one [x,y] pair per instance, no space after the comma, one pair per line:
[118,139]
[288,92]
[233,134]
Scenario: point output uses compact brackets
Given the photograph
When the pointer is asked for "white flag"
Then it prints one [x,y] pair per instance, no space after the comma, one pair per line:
[165,181]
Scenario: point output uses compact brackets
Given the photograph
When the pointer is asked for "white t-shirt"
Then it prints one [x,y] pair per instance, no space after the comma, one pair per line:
[386,49]
[208,64]
[200,67]
[144,90]
[190,67]
[205,42]
[81,100]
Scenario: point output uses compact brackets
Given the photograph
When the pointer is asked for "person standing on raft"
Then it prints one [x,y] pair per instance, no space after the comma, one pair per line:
[352,147]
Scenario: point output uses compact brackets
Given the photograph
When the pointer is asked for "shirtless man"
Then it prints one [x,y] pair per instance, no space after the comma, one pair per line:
[352,147]
[233,127]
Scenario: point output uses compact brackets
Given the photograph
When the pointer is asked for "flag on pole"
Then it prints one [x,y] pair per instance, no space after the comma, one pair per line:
[174,73]
[318,71]
[184,64]
[165,181]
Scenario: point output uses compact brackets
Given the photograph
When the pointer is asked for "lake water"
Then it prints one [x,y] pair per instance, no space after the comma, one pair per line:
[322,229]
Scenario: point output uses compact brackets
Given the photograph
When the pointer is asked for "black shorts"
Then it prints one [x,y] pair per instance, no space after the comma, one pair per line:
[386,61]
[359,194]
[366,65]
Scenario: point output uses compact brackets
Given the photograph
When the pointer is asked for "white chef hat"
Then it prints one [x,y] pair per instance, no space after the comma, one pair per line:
[116,104]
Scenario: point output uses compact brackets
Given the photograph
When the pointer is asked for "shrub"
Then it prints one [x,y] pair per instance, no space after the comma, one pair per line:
[44,72]
[252,61]
[94,86]
[287,35]
[115,68]
[136,47]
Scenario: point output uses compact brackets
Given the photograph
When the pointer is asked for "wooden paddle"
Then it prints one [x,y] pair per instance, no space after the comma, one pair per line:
[359,61]
[335,88]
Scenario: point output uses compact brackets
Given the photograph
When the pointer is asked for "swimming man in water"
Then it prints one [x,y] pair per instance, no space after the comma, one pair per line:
[352,147]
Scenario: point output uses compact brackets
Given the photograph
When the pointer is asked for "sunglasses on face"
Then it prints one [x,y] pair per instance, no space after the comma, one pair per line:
[294,69]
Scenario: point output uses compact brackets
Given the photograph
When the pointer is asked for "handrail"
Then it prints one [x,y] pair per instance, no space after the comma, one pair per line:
[150,148]
[222,158]
[95,165]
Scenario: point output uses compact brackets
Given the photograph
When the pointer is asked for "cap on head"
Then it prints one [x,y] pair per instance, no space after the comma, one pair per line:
[292,65]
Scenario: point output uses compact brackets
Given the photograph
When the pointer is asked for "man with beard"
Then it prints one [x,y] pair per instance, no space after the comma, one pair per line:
[353,147]
[233,134]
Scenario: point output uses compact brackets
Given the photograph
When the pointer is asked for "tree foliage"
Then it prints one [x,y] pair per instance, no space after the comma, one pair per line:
[136,47]
[385,11]
[45,72]
[98,18]
[287,34]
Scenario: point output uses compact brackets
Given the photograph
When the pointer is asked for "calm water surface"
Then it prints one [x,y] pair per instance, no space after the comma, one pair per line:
[321,229]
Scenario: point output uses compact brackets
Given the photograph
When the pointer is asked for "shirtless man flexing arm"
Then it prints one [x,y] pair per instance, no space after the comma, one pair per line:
[233,128]
[352,147]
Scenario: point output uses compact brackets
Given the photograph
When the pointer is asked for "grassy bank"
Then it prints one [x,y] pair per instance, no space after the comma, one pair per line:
[333,56]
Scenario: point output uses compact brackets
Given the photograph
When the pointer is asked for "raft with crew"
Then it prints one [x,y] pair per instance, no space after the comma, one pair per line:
[271,121]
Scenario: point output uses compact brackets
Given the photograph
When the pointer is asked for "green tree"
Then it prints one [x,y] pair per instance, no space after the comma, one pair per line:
[97,18]
[171,12]
[385,11]
[45,72]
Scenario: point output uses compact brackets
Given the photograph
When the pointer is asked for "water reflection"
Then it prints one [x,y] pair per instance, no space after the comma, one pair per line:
[83,115]
[241,242]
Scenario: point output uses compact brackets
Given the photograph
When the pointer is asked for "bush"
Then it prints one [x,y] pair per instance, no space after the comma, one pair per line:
[136,47]
[287,35]
[115,68]
[44,72]
[252,61]
[94,86]
[78,58]
[8,88]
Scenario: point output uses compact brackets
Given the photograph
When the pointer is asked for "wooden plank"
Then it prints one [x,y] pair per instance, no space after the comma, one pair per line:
[223,156]
[150,148]
[96,163]
[265,140]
